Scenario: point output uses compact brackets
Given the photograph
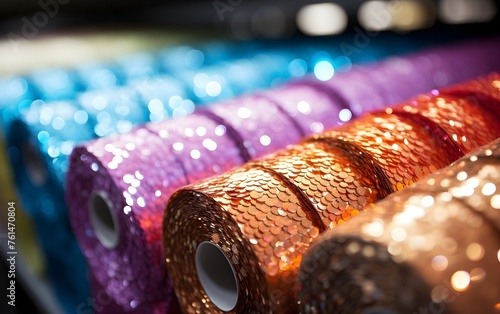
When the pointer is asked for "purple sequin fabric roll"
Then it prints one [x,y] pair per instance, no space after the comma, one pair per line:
[366,88]
[118,186]
[311,105]
[203,146]
[260,123]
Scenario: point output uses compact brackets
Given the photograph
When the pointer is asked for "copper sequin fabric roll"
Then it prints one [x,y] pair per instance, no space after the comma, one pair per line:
[484,91]
[434,247]
[337,184]
[397,146]
[233,243]
[459,123]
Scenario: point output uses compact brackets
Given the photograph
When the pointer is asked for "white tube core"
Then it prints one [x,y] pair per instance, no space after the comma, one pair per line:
[103,219]
[217,275]
[35,167]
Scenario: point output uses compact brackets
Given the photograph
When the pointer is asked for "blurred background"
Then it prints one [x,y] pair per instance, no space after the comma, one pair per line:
[43,34]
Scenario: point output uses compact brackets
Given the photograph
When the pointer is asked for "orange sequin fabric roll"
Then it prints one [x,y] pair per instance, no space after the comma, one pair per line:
[481,92]
[434,247]
[403,150]
[458,123]
[336,183]
[259,224]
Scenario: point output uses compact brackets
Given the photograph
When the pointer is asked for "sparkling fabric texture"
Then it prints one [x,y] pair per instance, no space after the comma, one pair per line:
[135,203]
[432,246]
[483,92]
[41,131]
[261,125]
[369,88]
[138,89]
[310,105]
[402,149]
[269,211]
[39,146]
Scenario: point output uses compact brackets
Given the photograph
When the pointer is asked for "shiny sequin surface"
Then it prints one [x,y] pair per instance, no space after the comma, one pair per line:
[120,167]
[135,90]
[313,107]
[182,151]
[257,220]
[164,97]
[485,92]
[474,180]
[203,146]
[103,99]
[395,79]
[429,247]
[460,124]
[273,207]
[402,149]
[114,111]
[357,91]
[103,303]
[55,84]
[338,185]
[261,124]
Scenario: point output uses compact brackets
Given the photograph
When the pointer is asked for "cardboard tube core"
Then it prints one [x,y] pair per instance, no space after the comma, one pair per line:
[103,219]
[217,275]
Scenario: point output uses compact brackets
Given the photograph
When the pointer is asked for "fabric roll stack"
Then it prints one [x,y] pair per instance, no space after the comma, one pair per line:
[41,131]
[235,242]
[133,190]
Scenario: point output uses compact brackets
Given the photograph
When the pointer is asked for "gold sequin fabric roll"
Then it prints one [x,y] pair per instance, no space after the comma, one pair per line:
[397,146]
[475,180]
[434,247]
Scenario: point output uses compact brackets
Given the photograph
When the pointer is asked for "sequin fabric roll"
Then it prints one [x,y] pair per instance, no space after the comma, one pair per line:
[45,137]
[183,151]
[367,88]
[483,92]
[432,247]
[254,125]
[267,212]
[398,147]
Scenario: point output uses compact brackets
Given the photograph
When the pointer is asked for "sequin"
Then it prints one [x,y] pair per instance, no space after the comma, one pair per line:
[448,254]
[421,156]
[306,189]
